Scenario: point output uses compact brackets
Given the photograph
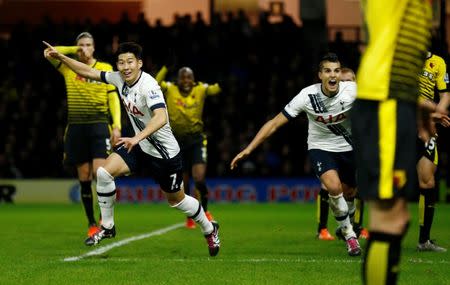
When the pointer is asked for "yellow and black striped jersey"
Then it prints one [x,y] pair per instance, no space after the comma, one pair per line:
[185,112]
[433,75]
[87,100]
[399,33]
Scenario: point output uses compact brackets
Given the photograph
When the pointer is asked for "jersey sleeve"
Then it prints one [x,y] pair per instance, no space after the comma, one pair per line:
[160,76]
[111,78]
[154,97]
[442,77]
[66,50]
[114,109]
[295,107]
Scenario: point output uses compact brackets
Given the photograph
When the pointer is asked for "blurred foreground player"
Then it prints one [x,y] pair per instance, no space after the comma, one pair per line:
[384,126]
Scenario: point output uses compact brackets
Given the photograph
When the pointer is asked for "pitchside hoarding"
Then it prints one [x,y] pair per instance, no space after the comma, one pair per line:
[227,190]
[131,190]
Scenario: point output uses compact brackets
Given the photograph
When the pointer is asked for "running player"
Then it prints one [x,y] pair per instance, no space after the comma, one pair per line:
[153,144]
[384,126]
[185,102]
[327,105]
[355,205]
[91,107]
[433,76]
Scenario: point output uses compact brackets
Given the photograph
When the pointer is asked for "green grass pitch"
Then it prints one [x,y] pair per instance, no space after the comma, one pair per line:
[261,244]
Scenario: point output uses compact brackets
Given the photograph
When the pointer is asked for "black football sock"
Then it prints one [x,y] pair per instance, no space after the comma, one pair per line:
[381,259]
[203,190]
[427,202]
[322,209]
[87,200]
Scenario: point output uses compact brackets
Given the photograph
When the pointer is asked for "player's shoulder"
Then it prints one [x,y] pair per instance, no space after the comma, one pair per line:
[302,96]
[311,89]
[148,82]
[435,60]
[347,84]
[348,88]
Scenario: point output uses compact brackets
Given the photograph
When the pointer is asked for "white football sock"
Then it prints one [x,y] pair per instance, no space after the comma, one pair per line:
[106,195]
[193,209]
[340,210]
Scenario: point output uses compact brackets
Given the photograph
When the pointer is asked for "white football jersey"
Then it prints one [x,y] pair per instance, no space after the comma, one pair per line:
[329,117]
[139,101]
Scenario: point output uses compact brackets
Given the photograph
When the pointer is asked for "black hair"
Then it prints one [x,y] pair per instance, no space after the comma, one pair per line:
[330,57]
[130,47]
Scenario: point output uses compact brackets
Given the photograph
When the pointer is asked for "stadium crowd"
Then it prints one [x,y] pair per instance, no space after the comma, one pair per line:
[260,68]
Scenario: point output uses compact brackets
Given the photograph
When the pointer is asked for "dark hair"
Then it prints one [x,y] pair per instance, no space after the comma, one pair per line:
[129,47]
[330,57]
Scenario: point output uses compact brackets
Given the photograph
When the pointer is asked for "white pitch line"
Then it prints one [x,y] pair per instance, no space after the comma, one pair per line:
[301,260]
[108,247]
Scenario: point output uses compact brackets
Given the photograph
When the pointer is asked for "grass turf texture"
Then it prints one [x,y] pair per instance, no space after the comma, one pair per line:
[261,244]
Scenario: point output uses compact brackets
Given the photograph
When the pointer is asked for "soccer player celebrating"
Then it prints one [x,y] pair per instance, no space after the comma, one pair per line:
[91,104]
[433,75]
[185,102]
[153,143]
[355,205]
[327,105]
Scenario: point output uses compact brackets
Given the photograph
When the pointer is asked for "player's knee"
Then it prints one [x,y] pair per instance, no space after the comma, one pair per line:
[334,188]
[427,183]
[349,192]
[390,216]
[103,176]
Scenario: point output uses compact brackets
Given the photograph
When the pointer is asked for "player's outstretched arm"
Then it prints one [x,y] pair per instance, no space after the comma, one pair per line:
[264,132]
[78,67]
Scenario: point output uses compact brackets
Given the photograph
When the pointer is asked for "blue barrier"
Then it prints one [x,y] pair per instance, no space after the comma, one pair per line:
[130,190]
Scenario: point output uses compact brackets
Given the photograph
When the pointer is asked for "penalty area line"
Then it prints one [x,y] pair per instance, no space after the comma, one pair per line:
[103,249]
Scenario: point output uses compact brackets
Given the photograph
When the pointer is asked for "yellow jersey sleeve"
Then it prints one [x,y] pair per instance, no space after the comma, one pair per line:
[432,77]
[64,50]
[113,102]
[160,76]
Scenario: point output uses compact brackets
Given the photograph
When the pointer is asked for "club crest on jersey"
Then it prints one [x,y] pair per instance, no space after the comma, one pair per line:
[125,90]
[331,119]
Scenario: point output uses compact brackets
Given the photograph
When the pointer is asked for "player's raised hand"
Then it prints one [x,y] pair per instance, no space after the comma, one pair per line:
[444,120]
[50,51]
[240,156]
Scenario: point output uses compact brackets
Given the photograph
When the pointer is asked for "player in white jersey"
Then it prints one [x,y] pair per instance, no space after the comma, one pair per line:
[327,105]
[153,143]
